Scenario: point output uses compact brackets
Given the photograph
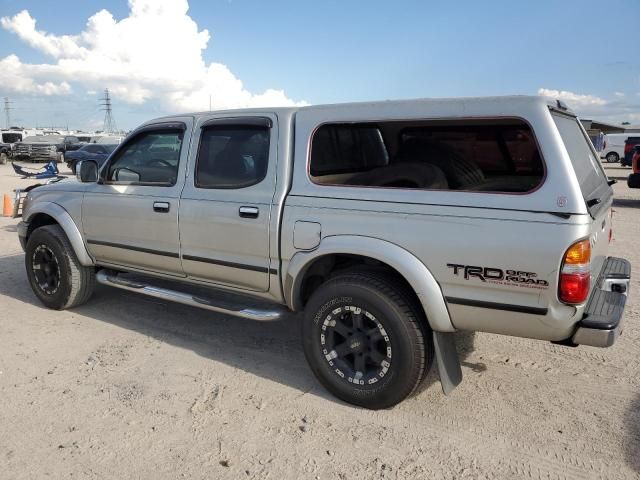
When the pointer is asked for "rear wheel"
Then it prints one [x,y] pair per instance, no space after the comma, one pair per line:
[55,274]
[612,157]
[366,339]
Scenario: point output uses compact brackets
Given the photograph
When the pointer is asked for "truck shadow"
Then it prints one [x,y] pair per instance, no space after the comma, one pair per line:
[632,434]
[272,350]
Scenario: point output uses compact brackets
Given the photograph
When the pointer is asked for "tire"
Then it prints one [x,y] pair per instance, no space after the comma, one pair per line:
[60,157]
[72,285]
[3,158]
[371,317]
[612,157]
[634,180]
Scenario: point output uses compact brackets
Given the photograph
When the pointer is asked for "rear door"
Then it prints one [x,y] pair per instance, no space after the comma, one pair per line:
[226,204]
[597,193]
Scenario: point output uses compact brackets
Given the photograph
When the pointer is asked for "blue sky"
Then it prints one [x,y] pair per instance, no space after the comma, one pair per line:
[337,51]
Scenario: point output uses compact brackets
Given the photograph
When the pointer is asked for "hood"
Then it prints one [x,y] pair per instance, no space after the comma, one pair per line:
[41,144]
[67,184]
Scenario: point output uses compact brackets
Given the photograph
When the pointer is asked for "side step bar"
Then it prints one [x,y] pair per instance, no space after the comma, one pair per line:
[112,279]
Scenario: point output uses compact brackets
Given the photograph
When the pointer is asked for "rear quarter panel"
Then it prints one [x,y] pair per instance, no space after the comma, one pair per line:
[524,236]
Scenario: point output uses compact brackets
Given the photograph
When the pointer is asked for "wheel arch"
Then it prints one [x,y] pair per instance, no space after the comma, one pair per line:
[404,263]
[48,213]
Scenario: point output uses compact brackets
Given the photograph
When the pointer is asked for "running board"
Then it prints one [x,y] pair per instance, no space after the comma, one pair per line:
[111,279]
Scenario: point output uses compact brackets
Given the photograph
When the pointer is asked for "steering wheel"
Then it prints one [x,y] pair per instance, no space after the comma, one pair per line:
[161,162]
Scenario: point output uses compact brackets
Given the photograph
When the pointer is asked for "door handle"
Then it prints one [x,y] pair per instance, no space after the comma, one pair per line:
[162,207]
[249,212]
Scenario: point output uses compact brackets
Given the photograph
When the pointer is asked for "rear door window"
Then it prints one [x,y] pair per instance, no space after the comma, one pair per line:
[234,156]
[586,164]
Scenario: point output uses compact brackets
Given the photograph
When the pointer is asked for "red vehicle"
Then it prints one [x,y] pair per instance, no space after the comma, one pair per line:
[634,179]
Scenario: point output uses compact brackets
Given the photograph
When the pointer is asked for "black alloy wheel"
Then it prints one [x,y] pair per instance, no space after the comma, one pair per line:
[356,345]
[46,269]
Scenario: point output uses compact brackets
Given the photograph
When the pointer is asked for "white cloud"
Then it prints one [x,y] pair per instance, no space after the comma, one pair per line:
[616,109]
[573,99]
[21,78]
[153,54]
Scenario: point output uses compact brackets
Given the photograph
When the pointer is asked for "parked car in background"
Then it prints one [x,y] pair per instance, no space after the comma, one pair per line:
[8,140]
[12,136]
[5,152]
[46,148]
[97,152]
[85,138]
[634,179]
[613,148]
[628,150]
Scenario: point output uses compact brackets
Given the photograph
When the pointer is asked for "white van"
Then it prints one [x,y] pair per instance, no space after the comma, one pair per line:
[613,149]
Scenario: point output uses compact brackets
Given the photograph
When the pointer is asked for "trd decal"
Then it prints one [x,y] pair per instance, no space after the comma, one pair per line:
[499,276]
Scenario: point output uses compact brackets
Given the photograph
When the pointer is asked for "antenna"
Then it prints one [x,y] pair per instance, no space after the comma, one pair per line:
[7,111]
[109,125]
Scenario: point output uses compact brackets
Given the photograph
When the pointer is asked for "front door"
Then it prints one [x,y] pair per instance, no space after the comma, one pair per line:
[130,218]
[226,205]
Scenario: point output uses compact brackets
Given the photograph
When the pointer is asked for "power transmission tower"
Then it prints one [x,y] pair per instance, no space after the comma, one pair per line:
[109,125]
[7,111]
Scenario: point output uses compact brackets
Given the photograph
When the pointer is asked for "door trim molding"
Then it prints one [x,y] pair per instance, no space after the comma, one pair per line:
[133,247]
[224,263]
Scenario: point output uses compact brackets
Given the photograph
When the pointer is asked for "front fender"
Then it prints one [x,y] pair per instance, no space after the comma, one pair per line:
[62,217]
[410,267]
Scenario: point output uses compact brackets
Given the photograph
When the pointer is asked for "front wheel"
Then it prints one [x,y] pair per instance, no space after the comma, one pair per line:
[366,339]
[60,157]
[55,274]
[612,157]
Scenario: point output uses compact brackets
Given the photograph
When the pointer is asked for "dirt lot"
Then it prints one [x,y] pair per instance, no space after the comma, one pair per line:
[131,387]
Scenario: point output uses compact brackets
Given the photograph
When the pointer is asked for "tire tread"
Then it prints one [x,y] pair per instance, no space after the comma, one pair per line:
[381,283]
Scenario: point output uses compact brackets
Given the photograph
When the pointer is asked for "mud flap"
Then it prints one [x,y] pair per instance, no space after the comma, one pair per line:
[448,362]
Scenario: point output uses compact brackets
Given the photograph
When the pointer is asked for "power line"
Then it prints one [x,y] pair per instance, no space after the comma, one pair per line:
[109,125]
[7,111]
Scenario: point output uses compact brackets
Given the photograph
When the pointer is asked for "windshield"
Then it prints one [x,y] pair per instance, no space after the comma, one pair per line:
[11,137]
[44,139]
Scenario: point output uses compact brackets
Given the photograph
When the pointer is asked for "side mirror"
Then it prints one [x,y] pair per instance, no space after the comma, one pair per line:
[87,171]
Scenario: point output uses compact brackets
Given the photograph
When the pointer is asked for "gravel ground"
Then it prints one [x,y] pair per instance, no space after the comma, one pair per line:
[131,387]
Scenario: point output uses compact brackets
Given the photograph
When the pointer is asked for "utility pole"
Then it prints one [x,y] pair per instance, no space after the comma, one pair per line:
[7,111]
[109,125]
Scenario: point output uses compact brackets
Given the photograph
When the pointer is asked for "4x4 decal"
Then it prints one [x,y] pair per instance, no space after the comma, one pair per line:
[498,275]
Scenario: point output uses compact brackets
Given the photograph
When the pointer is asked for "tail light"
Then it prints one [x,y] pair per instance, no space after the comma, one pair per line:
[575,274]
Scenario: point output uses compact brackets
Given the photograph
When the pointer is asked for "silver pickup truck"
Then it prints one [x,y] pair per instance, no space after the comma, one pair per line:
[390,225]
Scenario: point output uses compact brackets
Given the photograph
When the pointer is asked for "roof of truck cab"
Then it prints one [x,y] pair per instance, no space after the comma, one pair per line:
[512,101]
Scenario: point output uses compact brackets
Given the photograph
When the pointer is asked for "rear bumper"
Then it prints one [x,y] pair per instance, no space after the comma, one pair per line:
[601,323]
